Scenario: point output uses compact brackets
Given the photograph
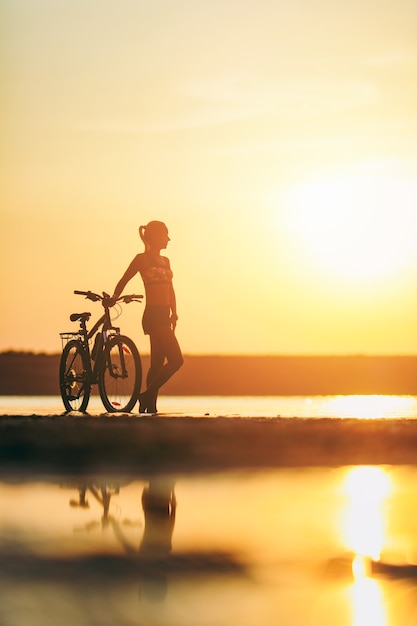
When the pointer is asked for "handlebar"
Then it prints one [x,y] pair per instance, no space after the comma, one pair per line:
[105,297]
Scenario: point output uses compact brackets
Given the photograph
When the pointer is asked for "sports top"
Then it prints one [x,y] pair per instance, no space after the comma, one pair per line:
[157,274]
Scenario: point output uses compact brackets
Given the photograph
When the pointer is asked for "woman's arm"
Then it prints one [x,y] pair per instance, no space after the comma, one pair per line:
[173,306]
[172,299]
[133,269]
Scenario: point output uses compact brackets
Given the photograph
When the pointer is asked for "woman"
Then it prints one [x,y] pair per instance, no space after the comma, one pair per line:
[160,315]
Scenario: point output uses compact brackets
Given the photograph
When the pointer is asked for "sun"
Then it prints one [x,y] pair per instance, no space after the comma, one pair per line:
[357,226]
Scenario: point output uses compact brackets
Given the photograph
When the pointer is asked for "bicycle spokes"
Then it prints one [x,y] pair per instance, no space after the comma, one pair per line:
[74,380]
[119,383]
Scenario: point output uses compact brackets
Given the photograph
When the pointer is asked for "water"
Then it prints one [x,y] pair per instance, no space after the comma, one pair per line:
[306,546]
[287,547]
[359,406]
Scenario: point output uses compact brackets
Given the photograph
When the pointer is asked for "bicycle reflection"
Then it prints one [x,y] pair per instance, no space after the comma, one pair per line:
[159,507]
[102,494]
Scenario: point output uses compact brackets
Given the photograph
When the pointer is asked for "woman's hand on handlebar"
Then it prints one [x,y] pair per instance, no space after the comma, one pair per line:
[109,300]
[112,300]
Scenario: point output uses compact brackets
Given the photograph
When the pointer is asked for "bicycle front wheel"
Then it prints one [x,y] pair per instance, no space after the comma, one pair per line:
[74,380]
[120,379]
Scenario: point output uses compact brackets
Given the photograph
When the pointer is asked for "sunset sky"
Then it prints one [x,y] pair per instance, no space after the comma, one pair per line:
[277,140]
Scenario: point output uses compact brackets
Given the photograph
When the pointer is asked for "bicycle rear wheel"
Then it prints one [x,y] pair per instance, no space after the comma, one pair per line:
[74,380]
[120,379]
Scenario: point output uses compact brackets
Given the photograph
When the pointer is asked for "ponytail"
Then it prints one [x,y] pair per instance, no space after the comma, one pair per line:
[142,235]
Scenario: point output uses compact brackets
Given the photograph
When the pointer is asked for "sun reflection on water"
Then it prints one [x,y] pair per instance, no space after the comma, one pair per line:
[371,406]
[367,603]
[367,488]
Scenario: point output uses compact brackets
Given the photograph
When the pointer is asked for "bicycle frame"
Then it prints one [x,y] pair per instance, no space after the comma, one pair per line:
[106,330]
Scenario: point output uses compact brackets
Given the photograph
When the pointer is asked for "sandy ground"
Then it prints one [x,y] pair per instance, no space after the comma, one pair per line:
[137,445]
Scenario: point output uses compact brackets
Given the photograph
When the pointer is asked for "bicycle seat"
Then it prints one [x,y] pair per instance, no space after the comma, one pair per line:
[84,317]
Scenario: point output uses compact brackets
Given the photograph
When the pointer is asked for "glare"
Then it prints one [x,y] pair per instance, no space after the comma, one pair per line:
[367,489]
[360,567]
[372,406]
[356,226]
[367,603]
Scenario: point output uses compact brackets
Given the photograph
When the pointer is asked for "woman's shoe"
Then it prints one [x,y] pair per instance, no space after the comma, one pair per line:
[143,402]
[147,403]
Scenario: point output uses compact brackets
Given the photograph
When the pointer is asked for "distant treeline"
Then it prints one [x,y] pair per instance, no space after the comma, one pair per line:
[23,373]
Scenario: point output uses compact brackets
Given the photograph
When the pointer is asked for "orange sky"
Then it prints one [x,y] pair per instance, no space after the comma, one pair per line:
[277,141]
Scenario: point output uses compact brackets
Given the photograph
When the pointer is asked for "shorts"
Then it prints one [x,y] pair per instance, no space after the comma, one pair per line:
[155,316]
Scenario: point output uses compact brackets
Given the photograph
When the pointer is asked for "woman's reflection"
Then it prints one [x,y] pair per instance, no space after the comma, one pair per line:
[159,507]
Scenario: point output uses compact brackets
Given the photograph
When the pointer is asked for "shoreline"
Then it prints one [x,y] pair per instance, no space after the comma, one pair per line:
[37,374]
[132,445]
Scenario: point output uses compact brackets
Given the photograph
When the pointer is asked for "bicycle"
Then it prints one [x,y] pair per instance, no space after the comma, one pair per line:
[113,363]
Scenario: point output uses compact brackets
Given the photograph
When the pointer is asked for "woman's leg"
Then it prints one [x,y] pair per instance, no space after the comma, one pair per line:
[147,402]
[164,345]
[157,359]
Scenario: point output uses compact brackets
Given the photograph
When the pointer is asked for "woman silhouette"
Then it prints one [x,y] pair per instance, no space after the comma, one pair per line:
[160,314]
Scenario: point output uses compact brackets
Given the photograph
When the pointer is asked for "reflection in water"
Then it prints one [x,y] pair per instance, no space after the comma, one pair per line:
[159,507]
[367,603]
[369,406]
[367,489]
[245,548]
[102,494]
